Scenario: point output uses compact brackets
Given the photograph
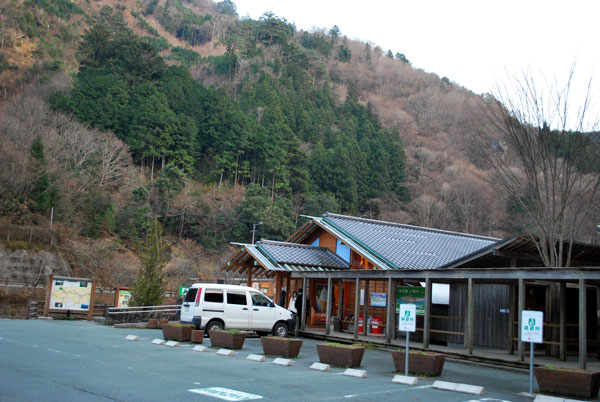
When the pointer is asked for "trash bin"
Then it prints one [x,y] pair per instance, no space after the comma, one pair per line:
[337,324]
[377,325]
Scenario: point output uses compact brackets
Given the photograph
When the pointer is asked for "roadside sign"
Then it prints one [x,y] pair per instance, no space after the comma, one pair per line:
[532,326]
[407,320]
[183,290]
[411,295]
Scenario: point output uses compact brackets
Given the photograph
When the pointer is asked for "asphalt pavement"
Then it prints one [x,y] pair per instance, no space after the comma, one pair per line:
[83,361]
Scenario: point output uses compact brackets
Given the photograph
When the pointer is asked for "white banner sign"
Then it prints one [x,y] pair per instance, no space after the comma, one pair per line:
[532,326]
[407,321]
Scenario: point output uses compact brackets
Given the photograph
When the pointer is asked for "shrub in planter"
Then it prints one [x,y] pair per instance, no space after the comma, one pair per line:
[229,339]
[178,332]
[427,363]
[279,346]
[338,354]
[152,323]
[197,336]
[569,382]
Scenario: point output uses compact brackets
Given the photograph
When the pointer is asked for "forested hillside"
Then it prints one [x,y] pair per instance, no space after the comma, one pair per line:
[117,112]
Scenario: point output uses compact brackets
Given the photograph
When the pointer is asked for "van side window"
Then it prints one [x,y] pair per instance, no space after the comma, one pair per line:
[236,298]
[190,296]
[259,300]
[213,296]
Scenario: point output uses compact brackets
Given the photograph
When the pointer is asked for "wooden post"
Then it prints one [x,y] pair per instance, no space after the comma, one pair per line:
[117,290]
[288,289]
[366,308]
[582,324]
[303,312]
[278,283]
[563,316]
[471,315]
[249,277]
[356,307]
[92,297]
[511,319]
[521,308]
[328,308]
[427,317]
[597,326]
[466,320]
[341,300]
[48,293]
[389,326]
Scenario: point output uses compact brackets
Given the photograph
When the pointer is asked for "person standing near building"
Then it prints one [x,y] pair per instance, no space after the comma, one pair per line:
[298,304]
[292,305]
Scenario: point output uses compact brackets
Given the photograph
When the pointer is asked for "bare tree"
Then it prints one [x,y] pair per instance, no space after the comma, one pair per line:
[549,171]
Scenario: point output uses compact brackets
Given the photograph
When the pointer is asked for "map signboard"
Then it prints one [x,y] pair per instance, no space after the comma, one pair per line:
[124,296]
[412,295]
[70,294]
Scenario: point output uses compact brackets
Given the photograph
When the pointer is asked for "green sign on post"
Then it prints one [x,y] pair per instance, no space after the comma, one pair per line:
[411,295]
[183,291]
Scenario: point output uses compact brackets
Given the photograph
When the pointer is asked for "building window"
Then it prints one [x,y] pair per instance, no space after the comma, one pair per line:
[343,251]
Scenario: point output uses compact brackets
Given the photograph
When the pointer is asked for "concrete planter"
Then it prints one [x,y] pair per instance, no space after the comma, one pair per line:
[226,339]
[278,346]
[427,363]
[152,323]
[569,382]
[162,322]
[181,333]
[197,336]
[340,355]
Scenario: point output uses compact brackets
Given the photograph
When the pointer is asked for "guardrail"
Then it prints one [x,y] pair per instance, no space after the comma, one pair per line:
[172,308]
[119,315]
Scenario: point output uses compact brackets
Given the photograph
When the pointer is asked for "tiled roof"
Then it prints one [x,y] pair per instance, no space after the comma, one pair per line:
[398,246]
[300,254]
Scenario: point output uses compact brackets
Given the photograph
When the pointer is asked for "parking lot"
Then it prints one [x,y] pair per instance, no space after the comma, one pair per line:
[76,360]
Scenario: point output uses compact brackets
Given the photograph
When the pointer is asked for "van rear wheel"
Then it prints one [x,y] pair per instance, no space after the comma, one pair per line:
[214,326]
[280,329]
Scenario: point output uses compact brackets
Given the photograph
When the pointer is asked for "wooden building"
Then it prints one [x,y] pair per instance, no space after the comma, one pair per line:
[356,268]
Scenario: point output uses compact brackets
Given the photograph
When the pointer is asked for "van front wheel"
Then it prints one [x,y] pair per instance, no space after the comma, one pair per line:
[214,326]
[280,329]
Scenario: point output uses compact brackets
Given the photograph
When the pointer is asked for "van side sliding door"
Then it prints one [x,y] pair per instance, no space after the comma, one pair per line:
[237,310]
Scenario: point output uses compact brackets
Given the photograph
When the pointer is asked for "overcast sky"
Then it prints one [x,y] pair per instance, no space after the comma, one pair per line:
[474,43]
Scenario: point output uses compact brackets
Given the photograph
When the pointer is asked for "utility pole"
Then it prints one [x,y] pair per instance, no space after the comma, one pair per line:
[254,225]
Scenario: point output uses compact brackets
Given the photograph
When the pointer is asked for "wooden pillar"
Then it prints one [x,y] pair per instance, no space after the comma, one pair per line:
[92,297]
[48,293]
[340,312]
[304,296]
[328,308]
[563,316]
[356,307]
[389,319]
[471,315]
[512,306]
[519,313]
[288,290]
[249,277]
[582,324]
[466,319]
[278,283]
[597,326]
[427,317]
[117,290]
[366,308]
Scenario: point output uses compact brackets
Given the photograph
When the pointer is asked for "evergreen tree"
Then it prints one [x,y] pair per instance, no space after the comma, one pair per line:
[149,285]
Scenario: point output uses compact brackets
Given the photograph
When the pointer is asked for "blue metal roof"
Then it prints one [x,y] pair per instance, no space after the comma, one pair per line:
[397,246]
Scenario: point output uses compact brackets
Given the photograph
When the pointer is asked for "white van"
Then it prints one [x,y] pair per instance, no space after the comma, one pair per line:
[213,306]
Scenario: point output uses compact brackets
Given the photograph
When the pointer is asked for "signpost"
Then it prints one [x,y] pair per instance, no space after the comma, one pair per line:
[532,331]
[183,291]
[407,322]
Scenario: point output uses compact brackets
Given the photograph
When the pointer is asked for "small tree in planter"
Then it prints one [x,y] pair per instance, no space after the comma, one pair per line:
[566,381]
[178,332]
[229,339]
[338,354]
[279,346]
[427,363]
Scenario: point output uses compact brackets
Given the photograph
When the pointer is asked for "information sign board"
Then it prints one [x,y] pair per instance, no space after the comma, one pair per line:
[378,299]
[70,294]
[532,326]
[123,300]
[183,290]
[412,295]
[408,318]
